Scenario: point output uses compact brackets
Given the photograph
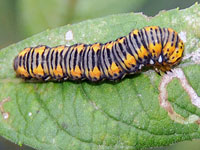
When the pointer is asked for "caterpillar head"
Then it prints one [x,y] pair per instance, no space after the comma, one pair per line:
[172,54]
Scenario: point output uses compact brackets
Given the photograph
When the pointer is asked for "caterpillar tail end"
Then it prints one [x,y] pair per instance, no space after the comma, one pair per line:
[20,71]
[15,63]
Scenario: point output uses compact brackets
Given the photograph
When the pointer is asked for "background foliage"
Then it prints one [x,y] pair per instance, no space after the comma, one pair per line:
[21,18]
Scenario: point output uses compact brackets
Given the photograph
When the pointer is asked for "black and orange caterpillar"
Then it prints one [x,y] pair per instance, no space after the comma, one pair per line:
[161,48]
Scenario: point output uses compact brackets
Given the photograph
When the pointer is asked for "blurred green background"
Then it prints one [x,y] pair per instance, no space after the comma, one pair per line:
[20,19]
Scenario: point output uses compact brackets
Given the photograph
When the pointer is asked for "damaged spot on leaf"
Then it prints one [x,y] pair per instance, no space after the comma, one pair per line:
[163,97]
[4,114]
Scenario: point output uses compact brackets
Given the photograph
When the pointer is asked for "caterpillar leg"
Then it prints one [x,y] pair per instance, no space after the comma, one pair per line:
[157,71]
[46,78]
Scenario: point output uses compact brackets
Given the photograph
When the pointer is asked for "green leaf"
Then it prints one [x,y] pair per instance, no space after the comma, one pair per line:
[106,115]
[67,11]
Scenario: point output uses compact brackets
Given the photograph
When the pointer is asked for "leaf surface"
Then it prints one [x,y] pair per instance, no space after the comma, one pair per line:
[106,115]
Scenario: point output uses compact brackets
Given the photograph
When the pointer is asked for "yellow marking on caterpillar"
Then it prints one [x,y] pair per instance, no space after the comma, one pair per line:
[86,72]
[134,32]
[168,49]
[171,30]
[95,73]
[151,27]
[109,45]
[22,53]
[177,53]
[53,49]
[39,50]
[76,72]
[80,48]
[59,48]
[155,50]
[58,71]
[38,70]
[121,40]
[142,52]
[68,70]
[22,71]
[114,69]
[96,47]
[130,60]
[136,56]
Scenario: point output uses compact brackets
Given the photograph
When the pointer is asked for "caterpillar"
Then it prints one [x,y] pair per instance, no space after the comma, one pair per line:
[154,46]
